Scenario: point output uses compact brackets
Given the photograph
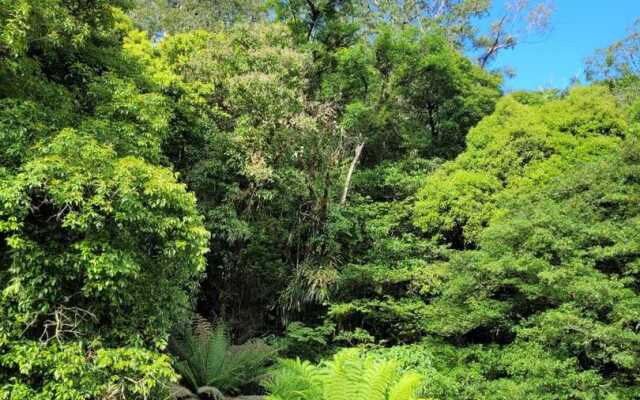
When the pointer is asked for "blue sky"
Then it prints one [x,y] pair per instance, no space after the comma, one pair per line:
[578,28]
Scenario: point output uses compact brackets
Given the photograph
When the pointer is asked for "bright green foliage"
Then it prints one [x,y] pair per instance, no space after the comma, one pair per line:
[97,247]
[131,122]
[358,174]
[174,16]
[522,145]
[327,23]
[114,236]
[100,247]
[349,375]
[387,264]
[565,257]
[384,100]
[494,373]
[458,207]
[304,341]
[75,372]
[381,105]
[210,365]
[527,270]
[49,26]
[267,162]
[295,380]
[92,86]
[618,66]
[619,60]
[554,274]
[375,72]
[453,16]
[445,92]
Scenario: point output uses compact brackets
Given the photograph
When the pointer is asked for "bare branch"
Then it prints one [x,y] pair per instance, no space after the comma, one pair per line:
[352,167]
[520,20]
[64,322]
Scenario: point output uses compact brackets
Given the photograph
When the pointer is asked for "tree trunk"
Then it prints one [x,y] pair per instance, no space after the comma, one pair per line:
[347,181]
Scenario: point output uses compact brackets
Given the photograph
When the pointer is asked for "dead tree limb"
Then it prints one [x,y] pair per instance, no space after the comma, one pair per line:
[347,181]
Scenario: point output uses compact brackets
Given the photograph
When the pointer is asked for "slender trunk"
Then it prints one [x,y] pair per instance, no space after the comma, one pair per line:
[314,15]
[347,181]
[495,46]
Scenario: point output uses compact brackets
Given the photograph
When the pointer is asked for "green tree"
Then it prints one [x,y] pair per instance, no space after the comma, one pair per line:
[98,248]
[555,278]
[525,143]
[387,88]
[618,66]
[261,157]
[406,93]
[619,59]
[101,248]
[50,27]
[331,25]
[543,219]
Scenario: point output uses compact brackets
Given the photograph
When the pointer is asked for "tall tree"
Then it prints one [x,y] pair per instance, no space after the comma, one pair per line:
[619,67]
[336,21]
[260,155]
[620,59]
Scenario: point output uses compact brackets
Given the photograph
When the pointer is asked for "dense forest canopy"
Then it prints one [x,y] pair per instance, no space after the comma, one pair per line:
[318,199]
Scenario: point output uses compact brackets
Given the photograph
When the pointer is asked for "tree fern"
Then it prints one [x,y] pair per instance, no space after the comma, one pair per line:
[210,365]
[348,376]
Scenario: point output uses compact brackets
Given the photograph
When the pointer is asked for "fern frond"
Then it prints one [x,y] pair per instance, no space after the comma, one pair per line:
[377,379]
[407,387]
[187,374]
[344,374]
[217,344]
[294,380]
[348,376]
[206,359]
